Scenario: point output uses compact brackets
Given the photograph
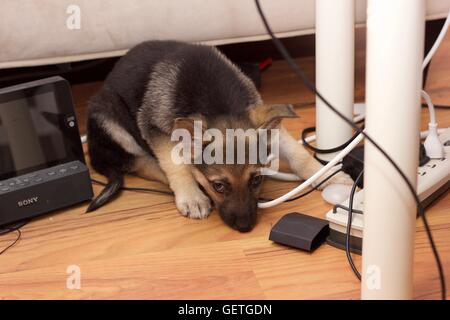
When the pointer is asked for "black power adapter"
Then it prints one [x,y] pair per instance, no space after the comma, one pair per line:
[300,231]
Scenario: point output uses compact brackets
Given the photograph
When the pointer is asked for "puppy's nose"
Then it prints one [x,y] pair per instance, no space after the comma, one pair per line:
[245,229]
[243,225]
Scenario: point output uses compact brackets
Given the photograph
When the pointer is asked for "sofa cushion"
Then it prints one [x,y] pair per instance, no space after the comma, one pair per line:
[36,33]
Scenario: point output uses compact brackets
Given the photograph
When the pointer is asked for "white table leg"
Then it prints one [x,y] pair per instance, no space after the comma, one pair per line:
[335,44]
[395,40]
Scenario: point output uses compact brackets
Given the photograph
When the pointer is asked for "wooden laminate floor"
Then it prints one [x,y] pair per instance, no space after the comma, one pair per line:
[140,247]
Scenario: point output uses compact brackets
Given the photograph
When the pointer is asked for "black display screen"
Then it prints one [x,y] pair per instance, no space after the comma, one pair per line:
[37,129]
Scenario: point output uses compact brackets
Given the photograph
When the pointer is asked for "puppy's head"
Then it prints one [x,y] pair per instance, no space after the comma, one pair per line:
[227,172]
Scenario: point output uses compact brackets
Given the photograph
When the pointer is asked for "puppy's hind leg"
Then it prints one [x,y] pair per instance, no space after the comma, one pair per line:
[108,159]
[189,199]
[110,146]
[302,163]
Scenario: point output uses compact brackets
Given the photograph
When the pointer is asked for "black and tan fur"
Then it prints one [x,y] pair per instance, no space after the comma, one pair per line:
[162,85]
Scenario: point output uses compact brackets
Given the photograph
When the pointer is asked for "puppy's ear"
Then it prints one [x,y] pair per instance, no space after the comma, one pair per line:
[195,125]
[269,117]
[190,124]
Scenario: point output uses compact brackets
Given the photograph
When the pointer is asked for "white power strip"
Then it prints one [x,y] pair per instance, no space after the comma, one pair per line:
[431,177]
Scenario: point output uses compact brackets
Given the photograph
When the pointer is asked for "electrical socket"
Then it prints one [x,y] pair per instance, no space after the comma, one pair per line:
[433,179]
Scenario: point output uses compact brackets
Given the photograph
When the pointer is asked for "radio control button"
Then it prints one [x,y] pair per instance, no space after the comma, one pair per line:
[5,188]
[63,170]
[51,173]
[74,167]
[38,179]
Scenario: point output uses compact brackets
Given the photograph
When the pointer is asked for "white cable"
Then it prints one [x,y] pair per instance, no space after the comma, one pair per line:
[315,176]
[424,134]
[430,105]
[433,146]
[437,43]
[83,139]
[283,176]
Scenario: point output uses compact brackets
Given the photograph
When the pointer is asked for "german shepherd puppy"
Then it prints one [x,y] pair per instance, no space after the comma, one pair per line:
[159,86]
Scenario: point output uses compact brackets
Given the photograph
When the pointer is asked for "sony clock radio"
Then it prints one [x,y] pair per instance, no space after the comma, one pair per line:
[42,166]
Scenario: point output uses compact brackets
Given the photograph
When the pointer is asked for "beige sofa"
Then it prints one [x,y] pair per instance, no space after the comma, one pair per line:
[36,32]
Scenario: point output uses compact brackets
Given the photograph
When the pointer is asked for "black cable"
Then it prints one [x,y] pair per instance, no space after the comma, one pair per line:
[307,192]
[281,48]
[19,235]
[349,226]
[149,190]
[135,189]
[306,131]
[340,206]
[437,106]
[7,230]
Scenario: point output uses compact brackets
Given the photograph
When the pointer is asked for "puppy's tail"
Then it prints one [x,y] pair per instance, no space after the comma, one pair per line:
[109,192]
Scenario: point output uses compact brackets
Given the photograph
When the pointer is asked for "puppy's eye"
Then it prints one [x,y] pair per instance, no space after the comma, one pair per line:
[219,186]
[256,181]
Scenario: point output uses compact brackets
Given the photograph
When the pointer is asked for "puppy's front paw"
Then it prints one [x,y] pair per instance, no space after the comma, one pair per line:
[341,178]
[193,203]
